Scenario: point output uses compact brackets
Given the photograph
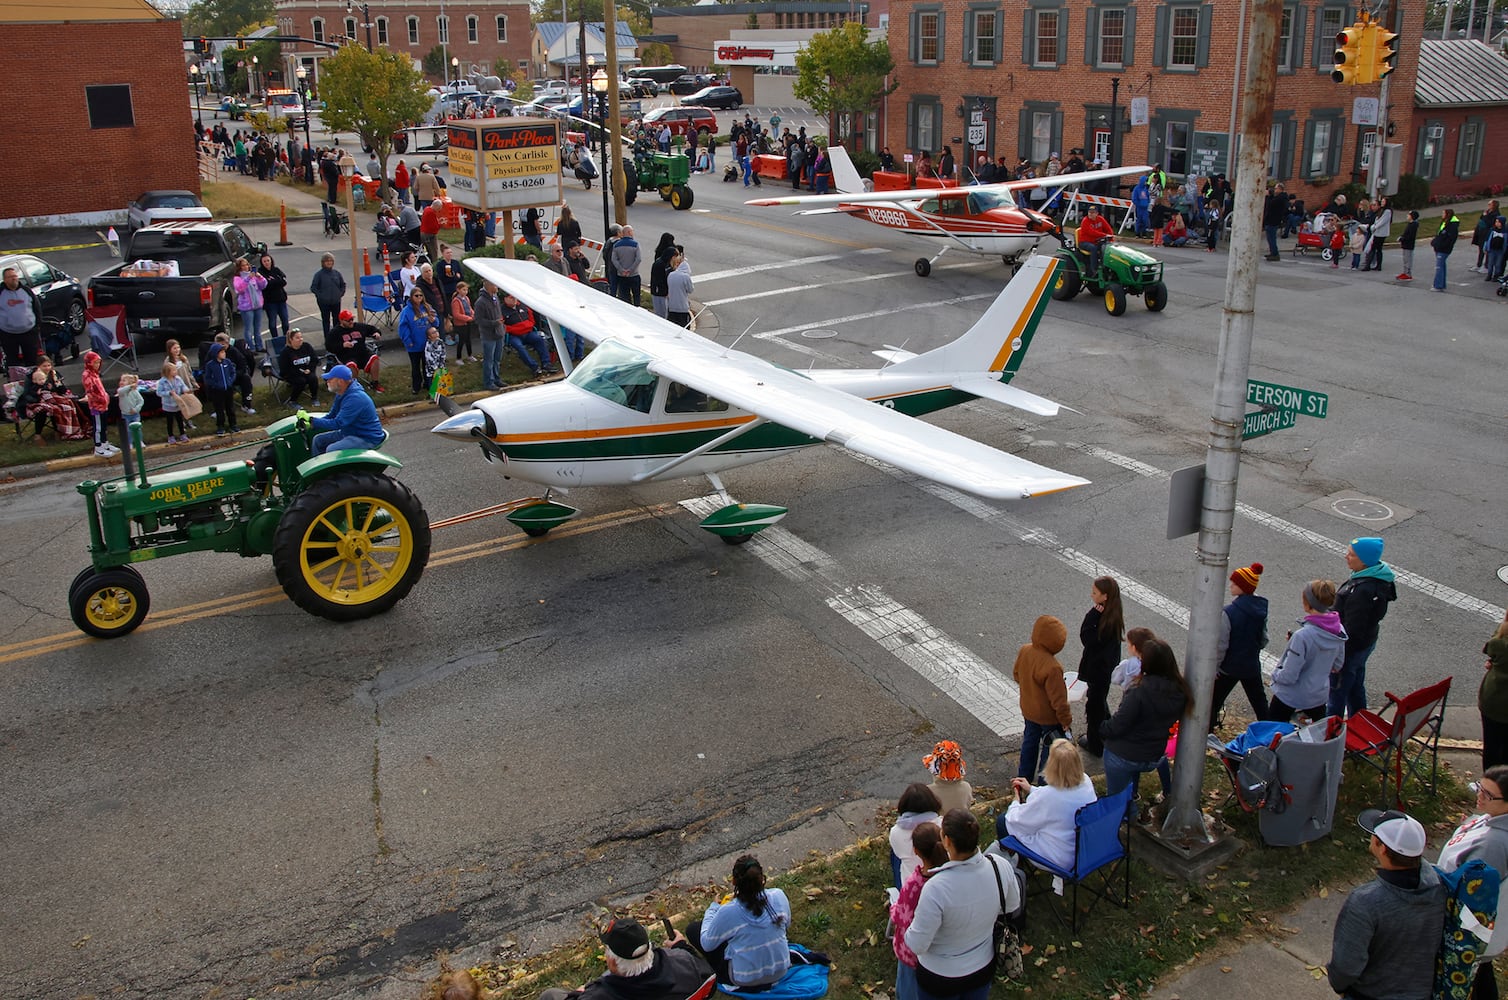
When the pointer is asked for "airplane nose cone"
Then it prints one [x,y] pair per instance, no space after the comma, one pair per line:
[461,425]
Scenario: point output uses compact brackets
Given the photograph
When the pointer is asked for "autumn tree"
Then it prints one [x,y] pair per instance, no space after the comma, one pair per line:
[373,94]
[842,72]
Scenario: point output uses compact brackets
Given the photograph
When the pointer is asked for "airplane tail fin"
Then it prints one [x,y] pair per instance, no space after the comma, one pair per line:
[998,341]
[846,177]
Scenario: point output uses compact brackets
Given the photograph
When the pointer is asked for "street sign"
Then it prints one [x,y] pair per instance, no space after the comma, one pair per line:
[1266,421]
[1270,395]
[1364,111]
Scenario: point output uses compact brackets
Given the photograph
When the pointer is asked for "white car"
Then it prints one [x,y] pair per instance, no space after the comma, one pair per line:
[165,206]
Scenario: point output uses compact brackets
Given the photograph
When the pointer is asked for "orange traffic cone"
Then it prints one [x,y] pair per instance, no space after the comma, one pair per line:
[283,240]
[366,261]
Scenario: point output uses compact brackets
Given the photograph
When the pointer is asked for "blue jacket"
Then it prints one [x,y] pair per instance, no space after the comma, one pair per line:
[1245,633]
[757,951]
[353,414]
[220,373]
[412,330]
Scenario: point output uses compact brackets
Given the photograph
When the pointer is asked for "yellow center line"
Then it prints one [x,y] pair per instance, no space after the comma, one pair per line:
[273,595]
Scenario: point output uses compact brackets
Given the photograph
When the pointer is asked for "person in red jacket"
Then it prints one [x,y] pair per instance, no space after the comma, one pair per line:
[429,228]
[1094,233]
[98,401]
[401,181]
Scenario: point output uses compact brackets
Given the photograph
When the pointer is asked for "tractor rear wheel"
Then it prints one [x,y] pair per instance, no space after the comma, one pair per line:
[1115,299]
[630,193]
[351,546]
[1156,296]
[110,603]
[681,197]
[1067,284]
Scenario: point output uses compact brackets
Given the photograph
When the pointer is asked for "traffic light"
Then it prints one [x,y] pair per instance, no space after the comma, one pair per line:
[203,47]
[1384,51]
[240,41]
[1353,54]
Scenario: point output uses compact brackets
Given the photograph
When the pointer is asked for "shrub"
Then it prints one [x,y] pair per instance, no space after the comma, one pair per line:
[1413,192]
[866,162]
[523,251]
[1354,193]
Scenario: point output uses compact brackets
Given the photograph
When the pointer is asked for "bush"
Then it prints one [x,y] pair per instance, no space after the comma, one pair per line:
[1413,192]
[523,251]
[1354,193]
[866,162]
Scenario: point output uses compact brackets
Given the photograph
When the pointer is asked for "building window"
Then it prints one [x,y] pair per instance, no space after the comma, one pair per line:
[472,21]
[382,31]
[1280,155]
[443,23]
[350,27]
[1112,40]
[1469,149]
[1183,38]
[928,31]
[984,25]
[923,123]
[1323,144]
[317,29]
[502,27]
[110,107]
[1041,136]
[1431,139]
[926,127]
[1319,149]
[1045,52]
[1285,41]
[413,31]
[1176,148]
[1326,27]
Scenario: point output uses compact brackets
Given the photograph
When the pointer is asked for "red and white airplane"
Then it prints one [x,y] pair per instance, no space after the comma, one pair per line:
[983,219]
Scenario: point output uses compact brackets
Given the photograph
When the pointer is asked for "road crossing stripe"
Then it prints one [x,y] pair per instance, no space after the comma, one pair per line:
[948,665]
[883,276]
[775,265]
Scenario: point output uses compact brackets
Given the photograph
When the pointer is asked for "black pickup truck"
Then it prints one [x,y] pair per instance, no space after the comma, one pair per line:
[197,300]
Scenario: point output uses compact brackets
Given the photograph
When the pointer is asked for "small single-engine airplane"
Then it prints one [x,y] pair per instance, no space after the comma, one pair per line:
[654,399]
[983,219]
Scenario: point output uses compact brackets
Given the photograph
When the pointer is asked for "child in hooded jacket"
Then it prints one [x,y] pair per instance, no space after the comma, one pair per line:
[1243,636]
[1301,683]
[220,387]
[1044,695]
[98,401]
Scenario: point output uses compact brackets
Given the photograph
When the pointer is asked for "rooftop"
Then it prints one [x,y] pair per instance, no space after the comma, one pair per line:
[1460,72]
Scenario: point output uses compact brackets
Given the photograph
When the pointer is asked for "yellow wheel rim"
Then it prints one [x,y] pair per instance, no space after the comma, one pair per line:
[1109,299]
[1059,283]
[356,550]
[110,608]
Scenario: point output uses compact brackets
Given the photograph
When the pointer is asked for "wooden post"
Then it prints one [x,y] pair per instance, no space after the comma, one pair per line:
[509,250]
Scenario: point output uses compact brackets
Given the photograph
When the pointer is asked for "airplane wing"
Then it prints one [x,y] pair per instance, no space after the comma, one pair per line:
[778,394]
[913,195]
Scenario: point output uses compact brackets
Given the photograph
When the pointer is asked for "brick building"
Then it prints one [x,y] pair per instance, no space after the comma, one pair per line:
[1460,137]
[475,32]
[1043,79]
[129,119]
[693,33]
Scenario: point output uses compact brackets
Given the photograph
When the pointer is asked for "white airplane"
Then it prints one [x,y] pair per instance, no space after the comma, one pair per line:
[982,219]
[654,399]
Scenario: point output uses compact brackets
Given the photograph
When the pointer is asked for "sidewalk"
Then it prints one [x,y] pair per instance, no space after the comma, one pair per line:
[1288,960]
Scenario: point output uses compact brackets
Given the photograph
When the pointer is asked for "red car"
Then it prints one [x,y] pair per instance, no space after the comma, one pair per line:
[682,120]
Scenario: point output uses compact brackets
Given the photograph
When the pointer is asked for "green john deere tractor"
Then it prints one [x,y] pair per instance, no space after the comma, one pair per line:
[347,540]
[667,173]
[1124,271]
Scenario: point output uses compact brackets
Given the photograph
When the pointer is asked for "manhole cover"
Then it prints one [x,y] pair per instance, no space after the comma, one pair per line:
[1503,573]
[1360,509]
[819,334]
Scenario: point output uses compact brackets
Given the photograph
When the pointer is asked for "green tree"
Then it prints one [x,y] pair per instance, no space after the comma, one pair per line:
[373,94]
[434,61]
[842,71]
[225,17]
[656,54]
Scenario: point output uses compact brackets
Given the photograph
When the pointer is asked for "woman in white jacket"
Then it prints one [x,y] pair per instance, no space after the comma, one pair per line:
[1484,835]
[1041,818]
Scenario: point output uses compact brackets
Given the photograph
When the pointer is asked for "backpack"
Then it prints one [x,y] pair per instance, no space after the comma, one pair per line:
[1471,908]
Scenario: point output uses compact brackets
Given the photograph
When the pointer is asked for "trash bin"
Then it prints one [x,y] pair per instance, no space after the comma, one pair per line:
[1309,770]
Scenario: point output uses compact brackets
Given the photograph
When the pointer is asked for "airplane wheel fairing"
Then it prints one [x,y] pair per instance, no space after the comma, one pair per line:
[1115,299]
[1156,296]
[109,604]
[923,267]
[351,546]
[738,522]
[681,197]
[537,519]
[1067,284]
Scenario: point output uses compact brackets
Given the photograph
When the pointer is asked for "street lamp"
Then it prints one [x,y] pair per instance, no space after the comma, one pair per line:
[599,87]
[198,105]
[347,170]
[303,94]
[366,19]
[455,72]
[251,79]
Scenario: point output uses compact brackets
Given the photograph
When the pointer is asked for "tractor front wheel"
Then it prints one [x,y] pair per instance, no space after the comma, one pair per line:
[351,546]
[1115,299]
[1067,284]
[681,197]
[110,603]
[1156,296]
[665,190]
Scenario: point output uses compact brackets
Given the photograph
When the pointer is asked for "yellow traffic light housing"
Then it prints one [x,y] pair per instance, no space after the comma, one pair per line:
[1354,48]
[1384,51]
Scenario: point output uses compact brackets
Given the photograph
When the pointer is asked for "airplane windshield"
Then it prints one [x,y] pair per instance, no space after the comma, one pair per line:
[618,374]
[984,201]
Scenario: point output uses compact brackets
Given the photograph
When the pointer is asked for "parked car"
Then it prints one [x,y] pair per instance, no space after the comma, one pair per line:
[552,89]
[715,97]
[234,108]
[682,120]
[643,88]
[165,206]
[61,294]
[688,84]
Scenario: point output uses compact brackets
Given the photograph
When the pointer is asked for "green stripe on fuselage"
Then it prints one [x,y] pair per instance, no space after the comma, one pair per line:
[768,437]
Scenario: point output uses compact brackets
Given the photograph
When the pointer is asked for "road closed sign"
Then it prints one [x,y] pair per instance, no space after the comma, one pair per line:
[499,167]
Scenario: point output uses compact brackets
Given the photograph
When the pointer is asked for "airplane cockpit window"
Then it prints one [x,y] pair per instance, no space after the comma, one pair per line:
[985,201]
[618,374]
[684,399]
[932,206]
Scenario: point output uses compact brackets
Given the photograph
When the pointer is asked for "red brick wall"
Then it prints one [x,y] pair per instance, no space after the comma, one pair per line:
[53,162]
[1491,171]
[1074,85]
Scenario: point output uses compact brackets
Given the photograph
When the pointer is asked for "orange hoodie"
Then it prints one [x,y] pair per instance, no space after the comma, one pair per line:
[1044,696]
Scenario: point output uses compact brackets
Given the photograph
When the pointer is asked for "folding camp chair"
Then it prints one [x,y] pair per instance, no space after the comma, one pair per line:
[270,371]
[1098,851]
[1398,747]
[376,301]
[1251,777]
[110,338]
[335,219]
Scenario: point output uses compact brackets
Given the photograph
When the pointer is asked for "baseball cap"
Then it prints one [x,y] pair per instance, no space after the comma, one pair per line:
[339,371]
[346,314]
[1398,830]
[626,938]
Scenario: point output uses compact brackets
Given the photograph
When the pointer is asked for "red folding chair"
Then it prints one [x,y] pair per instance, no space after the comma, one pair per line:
[1397,747]
[110,338]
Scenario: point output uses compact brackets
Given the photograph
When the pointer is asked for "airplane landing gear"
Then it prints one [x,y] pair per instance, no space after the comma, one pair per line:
[923,267]
[736,523]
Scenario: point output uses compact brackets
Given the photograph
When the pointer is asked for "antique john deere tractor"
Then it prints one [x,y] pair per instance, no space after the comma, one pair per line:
[347,540]
[667,173]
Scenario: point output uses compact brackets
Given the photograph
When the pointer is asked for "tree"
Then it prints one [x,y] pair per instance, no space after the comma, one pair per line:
[841,71]
[655,54]
[373,94]
[434,61]
[225,17]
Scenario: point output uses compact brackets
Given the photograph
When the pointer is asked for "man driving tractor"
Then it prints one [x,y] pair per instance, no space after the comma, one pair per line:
[1094,233]
[352,421]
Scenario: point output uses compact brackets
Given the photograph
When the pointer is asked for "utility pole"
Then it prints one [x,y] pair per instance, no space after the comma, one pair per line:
[614,120]
[1184,827]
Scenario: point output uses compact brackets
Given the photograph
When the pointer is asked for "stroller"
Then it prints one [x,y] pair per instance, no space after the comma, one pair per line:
[1290,777]
[1320,236]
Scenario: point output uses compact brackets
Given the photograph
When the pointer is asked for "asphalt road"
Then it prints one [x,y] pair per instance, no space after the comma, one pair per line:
[239,797]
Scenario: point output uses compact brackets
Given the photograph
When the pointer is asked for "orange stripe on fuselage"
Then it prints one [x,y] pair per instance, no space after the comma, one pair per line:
[1006,350]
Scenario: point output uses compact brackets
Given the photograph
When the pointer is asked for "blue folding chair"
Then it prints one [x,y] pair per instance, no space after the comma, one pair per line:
[1098,852]
[375,299]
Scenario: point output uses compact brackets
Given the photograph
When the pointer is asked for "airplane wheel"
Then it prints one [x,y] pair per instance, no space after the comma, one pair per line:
[681,197]
[1115,299]
[736,539]
[536,532]
[1156,296]
[109,604]
[1067,284]
[923,267]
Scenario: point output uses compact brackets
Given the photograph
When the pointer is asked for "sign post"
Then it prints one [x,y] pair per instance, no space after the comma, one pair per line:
[501,166]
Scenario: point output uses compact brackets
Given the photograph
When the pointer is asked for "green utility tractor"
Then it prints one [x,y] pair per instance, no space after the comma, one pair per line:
[1124,271]
[347,540]
[667,173]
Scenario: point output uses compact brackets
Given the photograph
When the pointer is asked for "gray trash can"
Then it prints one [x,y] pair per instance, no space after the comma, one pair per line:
[1309,769]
